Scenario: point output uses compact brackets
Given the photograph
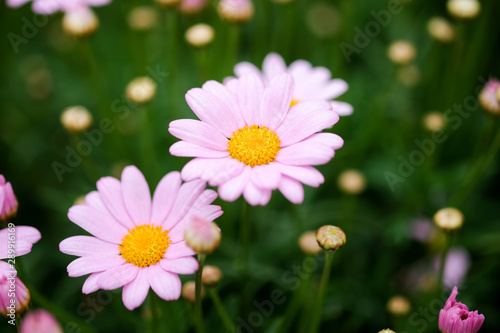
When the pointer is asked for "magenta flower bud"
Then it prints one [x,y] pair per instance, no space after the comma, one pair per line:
[455,317]
[8,201]
[14,296]
[189,7]
[40,321]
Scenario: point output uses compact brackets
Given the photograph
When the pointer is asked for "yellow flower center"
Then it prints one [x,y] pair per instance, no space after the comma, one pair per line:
[294,101]
[144,245]
[254,146]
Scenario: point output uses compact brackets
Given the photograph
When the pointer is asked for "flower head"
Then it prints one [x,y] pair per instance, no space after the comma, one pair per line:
[189,7]
[455,268]
[40,321]
[47,7]
[449,219]
[80,22]
[202,236]
[488,97]
[8,201]
[249,141]
[12,304]
[330,237]
[310,82]
[455,317]
[137,242]
[141,90]
[236,11]
[210,276]
[402,52]
[76,119]
[308,243]
[463,9]
[200,35]
[398,305]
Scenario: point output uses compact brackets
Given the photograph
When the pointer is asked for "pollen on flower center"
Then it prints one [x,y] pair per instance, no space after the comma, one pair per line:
[144,245]
[254,145]
[293,102]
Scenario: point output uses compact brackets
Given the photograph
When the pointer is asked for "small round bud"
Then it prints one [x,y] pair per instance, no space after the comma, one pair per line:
[168,3]
[21,297]
[308,243]
[330,237]
[81,22]
[141,90]
[398,306]
[488,97]
[236,11]
[76,119]
[189,291]
[352,182]
[202,236]
[402,52]
[40,321]
[387,330]
[210,276]
[463,9]
[142,18]
[190,7]
[449,219]
[200,35]
[8,202]
[434,121]
[323,19]
[440,29]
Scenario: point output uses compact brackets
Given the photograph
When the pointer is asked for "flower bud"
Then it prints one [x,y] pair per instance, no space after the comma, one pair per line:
[488,97]
[330,237]
[308,243]
[200,35]
[190,7]
[189,291]
[402,52]
[455,317]
[387,330]
[434,121]
[210,276]
[141,90]
[81,22]
[21,296]
[8,201]
[40,321]
[449,219]
[236,11]
[76,119]
[202,236]
[142,18]
[440,29]
[352,182]
[168,3]
[398,306]
[463,9]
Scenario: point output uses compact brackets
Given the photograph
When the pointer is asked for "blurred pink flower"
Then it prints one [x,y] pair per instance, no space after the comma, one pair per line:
[310,82]
[489,97]
[421,230]
[138,242]
[14,296]
[47,7]
[456,267]
[192,6]
[249,141]
[40,321]
[455,317]
[8,201]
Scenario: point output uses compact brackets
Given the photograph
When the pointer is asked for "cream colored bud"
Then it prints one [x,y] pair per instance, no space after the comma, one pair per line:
[387,330]
[434,121]
[330,237]
[308,243]
[402,52]
[489,97]
[441,29]
[189,291]
[200,35]
[168,3]
[81,22]
[141,90]
[210,276]
[449,219]
[463,9]
[202,236]
[398,306]
[76,119]
[142,18]
[236,11]
[352,182]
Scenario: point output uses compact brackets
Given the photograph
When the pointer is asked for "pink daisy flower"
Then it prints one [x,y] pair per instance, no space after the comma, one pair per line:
[310,82]
[249,141]
[137,242]
[455,317]
[47,7]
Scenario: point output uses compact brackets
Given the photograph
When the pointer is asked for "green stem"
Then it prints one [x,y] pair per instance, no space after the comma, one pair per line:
[316,320]
[444,254]
[226,320]
[233,41]
[245,235]
[148,152]
[197,305]
[153,308]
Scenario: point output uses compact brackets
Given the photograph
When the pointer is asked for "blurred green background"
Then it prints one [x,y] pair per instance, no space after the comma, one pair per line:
[52,71]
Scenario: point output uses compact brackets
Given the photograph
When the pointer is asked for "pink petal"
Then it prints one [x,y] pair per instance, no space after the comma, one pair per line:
[188,194]
[208,213]
[46,7]
[183,265]
[198,133]
[94,200]
[28,234]
[135,292]
[342,108]
[110,191]
[304,174]
[97,3]
[328,139]
[227,98]
[292,190]
[305,153]
[256,196]
[308,86]
[299,69]
[16,3]
[305,119]
[250,92]
[276,101]
[213,171]
[88,246]
[97,223]
[86,265]
[178,250]
[333,89]
[232,189]
[90,284]
[164,197]
[117,277]
[186,149]
[136,195]
[165,284]
[245,68]
[273,65]
[266,176]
